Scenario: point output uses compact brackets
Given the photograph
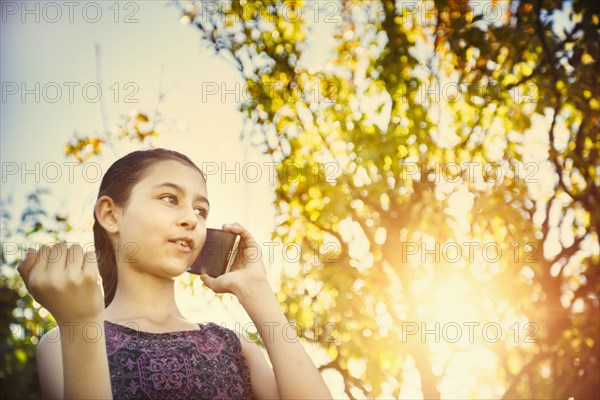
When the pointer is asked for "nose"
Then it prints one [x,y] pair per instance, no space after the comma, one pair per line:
[189,218]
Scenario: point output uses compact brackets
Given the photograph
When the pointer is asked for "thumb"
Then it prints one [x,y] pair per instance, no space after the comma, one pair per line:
[211,283]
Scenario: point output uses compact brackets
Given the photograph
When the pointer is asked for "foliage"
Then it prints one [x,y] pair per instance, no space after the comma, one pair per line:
[135,127]
[511,103]
[23,320]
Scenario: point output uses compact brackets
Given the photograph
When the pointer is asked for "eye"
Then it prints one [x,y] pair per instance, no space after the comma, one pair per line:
[203,212]
[170,196]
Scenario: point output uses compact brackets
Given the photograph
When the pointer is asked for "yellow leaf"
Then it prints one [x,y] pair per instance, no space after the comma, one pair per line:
[332,352]
[586,58]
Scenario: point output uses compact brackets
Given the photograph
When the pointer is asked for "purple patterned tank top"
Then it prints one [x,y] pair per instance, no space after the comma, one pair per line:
[207,363]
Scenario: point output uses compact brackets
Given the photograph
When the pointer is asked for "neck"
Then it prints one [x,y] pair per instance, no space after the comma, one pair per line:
[143,297]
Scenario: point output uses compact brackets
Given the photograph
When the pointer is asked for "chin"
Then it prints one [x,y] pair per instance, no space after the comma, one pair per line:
[175,269]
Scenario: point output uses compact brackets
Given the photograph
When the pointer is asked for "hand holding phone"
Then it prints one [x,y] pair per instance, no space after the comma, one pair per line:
[218,253]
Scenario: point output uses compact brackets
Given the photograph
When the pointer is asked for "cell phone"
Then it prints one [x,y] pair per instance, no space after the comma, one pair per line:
[218,253]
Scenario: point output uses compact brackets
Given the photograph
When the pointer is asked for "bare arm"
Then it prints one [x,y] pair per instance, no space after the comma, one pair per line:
[75,360]
[72,360]
[49,365]
[85,363]
[261,373]
[295,374]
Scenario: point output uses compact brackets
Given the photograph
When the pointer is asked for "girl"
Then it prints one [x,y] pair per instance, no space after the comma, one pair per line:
[150,225]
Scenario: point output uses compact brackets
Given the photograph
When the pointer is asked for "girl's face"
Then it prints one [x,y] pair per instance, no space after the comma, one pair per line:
[167,207]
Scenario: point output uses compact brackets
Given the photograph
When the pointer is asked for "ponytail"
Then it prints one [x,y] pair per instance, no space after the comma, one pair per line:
[107,264]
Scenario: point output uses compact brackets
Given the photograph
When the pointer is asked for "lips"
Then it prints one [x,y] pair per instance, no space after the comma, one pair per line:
[184,242]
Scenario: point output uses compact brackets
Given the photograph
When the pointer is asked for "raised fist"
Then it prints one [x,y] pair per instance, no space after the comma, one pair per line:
[64,280]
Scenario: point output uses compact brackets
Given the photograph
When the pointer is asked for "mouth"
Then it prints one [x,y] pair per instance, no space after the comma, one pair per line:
[183,244]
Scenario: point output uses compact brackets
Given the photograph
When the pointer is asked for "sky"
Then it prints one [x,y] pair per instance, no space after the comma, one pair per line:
[137,61]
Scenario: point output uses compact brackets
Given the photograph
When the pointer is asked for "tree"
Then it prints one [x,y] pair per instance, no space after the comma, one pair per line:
[422,130]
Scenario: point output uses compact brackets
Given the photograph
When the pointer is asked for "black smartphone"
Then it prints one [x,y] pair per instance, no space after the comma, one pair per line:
[218,253]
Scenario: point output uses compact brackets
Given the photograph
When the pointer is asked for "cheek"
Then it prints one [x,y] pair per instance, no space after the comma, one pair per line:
[202,241]
[143,231]
[150,221]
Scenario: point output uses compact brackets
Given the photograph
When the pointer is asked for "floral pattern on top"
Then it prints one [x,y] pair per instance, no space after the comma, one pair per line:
[207,363]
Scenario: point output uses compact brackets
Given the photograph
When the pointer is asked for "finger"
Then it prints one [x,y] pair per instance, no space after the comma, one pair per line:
[209,281]
[240,230]
[41,263]
[37,274]
[25,266]
[63,254]
[215,284]
[90,265]
[44,257]
[75,262]
[57,260]
[249,249]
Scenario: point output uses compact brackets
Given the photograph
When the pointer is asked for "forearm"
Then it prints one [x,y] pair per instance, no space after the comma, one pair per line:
[295,373]
[85,362]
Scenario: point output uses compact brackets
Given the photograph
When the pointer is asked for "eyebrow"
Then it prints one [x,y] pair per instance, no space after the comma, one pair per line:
[181,190]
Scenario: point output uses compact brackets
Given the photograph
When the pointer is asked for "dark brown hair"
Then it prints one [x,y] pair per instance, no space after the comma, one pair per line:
[117,184]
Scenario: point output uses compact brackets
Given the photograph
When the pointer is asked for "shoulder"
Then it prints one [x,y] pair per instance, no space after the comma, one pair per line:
[48,351]
[49,342]
[221,332]
[234,338]
[262,377]
[250,350]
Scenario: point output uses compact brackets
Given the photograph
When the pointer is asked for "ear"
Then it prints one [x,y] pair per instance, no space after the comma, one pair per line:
[106,213]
